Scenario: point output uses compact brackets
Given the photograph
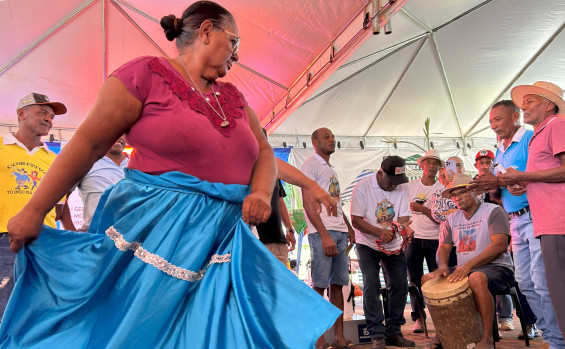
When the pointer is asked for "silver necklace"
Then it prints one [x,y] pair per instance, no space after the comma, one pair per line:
[222,116]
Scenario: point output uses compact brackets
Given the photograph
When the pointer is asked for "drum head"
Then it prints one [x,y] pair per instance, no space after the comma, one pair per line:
[440,287]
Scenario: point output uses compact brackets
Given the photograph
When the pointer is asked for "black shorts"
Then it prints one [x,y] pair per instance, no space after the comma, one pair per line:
[499,277]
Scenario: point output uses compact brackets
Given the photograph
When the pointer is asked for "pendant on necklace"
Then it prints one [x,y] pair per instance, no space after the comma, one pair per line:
[225,123]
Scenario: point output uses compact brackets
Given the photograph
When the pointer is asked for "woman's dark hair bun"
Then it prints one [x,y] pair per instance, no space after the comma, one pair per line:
[172,26]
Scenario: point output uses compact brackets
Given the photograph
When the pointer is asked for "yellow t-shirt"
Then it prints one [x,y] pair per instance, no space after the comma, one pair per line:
[21,171]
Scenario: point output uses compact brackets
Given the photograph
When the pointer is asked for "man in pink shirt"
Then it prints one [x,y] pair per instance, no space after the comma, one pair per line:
[544,180]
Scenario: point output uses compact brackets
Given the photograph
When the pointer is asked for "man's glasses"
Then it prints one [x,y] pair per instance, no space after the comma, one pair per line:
[459,193]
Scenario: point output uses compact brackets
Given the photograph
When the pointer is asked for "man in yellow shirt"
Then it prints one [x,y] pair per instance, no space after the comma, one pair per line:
[24,159]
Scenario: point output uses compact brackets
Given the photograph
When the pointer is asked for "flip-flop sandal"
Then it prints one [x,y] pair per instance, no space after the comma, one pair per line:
[433,346]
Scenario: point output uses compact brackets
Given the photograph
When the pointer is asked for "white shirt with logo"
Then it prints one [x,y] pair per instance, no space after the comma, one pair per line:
[317,169]
[424,227]
[379,208]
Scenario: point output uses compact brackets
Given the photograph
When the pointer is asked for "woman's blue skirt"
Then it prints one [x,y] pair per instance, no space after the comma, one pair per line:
[167,263]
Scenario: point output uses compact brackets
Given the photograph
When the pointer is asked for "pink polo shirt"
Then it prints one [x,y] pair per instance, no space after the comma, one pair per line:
[177,130]
[547,200]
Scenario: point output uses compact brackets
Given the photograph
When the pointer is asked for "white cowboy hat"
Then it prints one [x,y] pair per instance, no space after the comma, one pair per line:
[431,154]
[543,89]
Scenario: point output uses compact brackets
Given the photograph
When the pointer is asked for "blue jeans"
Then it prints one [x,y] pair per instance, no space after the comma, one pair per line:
[530,275]
[7,259]
[326,270]
[504,307]
[416,252]
[394,268]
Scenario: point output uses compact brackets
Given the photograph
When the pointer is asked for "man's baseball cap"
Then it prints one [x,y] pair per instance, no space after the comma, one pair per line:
[484,154]
[39,99]
[394,167]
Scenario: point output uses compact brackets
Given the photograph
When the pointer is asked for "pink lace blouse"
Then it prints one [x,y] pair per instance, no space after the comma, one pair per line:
[178,131]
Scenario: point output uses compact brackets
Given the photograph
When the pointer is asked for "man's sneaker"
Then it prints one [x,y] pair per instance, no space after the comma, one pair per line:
[531,331]
[378,343]
[418,326]
[506,324]
[398,340]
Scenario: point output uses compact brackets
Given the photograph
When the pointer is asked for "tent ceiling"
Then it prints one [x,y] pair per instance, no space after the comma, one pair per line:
[449,60]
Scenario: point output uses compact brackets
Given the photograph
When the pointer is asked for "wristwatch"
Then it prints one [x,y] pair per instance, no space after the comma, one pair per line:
[290,230]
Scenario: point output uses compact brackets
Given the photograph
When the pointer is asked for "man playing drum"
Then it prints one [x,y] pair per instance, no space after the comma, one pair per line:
[480,233]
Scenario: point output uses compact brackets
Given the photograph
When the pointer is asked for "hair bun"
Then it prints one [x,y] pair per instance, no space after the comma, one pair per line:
[172,26]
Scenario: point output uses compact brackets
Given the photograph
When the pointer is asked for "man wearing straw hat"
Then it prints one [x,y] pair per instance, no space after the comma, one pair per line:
[480,233]
[544,180]
[426,229]
[512,152]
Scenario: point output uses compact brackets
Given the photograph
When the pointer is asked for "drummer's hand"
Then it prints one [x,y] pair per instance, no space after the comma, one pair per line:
[459,274]
[23,228]
[256,208]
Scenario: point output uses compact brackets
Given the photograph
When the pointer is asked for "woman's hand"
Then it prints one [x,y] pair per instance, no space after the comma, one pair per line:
[256,208]
[23,228]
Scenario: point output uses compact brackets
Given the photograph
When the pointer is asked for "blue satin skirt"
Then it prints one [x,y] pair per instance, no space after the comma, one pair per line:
[167,263]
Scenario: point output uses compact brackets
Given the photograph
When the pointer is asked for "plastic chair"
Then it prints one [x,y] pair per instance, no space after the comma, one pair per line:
[512,292]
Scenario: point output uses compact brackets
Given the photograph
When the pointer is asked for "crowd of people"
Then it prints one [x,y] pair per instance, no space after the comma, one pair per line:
[166,258]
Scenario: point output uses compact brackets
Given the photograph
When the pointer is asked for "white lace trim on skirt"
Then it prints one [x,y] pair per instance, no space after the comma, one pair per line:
[160,263]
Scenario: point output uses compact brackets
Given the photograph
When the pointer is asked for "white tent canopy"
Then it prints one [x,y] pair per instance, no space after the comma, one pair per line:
[447,60]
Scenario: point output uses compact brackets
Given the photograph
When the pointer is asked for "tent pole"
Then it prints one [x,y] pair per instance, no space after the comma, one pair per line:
[452,101]
[115,3]
[398,48]
[522,71]
[43,37]
[398,81]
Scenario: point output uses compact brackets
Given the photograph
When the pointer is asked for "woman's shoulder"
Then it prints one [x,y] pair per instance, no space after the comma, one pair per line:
[140,65]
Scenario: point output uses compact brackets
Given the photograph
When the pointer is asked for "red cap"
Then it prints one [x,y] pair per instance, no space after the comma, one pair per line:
[484,154]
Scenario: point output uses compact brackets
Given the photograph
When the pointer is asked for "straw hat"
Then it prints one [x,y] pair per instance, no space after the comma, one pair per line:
[459,181]
[431,154]
[543,89]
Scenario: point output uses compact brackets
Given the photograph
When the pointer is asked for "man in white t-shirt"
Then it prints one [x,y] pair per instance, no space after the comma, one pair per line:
[378,201]
[426,230]
[480,233]
[327,235]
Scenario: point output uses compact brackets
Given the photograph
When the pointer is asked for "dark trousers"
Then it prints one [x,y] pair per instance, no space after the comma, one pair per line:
[7,259]
[418,250]
[394,268]
[552,247]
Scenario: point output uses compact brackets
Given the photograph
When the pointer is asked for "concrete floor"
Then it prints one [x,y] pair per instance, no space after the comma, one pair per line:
[509,339]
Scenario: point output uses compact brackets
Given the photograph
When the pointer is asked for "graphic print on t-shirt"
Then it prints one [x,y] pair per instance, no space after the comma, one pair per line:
[420,199]
[25,176]
[467,240]
[334,188]
[384,213]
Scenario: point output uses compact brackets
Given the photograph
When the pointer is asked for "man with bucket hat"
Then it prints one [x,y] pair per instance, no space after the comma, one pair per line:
[544,180]
[479,232]
[426,229]
[24,159]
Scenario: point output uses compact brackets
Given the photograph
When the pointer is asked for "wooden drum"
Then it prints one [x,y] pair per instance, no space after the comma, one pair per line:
[452,307]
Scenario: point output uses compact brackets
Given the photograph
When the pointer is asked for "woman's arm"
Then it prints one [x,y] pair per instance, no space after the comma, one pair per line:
[113,113]
[257,205]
